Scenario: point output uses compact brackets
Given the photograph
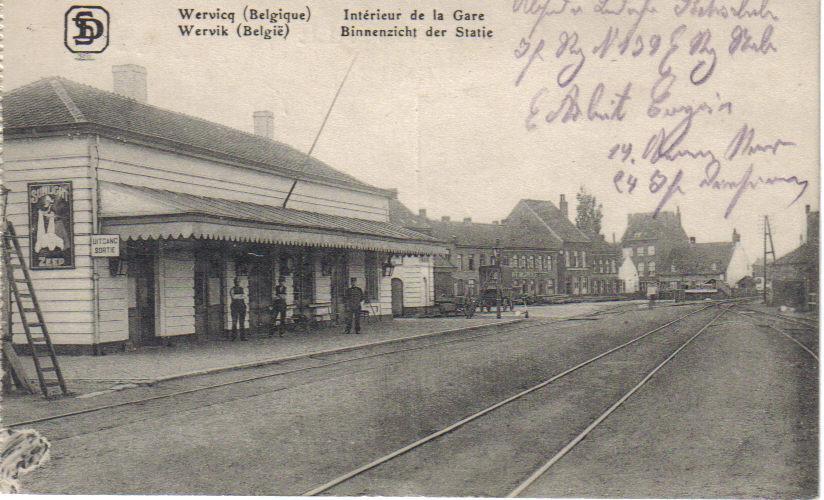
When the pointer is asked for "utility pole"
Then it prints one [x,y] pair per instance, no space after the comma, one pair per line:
[767,235]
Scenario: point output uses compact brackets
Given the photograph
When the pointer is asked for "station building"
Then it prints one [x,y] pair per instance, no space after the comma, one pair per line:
[195,205]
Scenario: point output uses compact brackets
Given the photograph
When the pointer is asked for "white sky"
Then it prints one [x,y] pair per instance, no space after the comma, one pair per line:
[442,120]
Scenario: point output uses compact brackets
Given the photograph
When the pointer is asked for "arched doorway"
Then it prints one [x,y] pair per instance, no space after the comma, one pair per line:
[397,297]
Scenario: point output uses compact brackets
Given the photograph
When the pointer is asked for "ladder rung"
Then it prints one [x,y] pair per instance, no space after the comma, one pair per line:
[21,280]
[48,368]
[25,294]
[29,310]
[52,383]
[35,324]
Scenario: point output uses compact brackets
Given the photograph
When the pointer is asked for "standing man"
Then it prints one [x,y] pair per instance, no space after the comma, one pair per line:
[238,309]
[352,299]
[279,307]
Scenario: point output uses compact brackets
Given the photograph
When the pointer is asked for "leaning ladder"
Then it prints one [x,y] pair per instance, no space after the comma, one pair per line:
[37,335]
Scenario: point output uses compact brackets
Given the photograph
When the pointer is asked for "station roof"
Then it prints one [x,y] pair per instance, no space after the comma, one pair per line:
[57,104]
[172,215]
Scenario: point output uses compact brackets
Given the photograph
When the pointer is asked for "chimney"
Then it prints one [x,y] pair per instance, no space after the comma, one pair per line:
[445,218]
[264,122]
[692,240]
[613,237]
[494,223]
[806,209]
[563,206]
[130,81]
[736,238]
[801,239]
[422,212]
[467,220]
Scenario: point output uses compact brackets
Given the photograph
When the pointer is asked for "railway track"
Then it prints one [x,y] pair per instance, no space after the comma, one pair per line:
[805,323]
[343,478]
[529,325]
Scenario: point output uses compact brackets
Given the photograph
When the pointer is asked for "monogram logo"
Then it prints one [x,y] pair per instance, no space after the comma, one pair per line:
[86,29]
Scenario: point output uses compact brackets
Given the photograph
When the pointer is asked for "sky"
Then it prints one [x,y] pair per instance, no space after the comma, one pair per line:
[443,120]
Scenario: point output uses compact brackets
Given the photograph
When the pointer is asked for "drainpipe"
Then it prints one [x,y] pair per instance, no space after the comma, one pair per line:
[94,159]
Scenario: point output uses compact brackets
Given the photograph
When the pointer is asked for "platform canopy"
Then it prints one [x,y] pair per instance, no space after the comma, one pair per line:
[182,216]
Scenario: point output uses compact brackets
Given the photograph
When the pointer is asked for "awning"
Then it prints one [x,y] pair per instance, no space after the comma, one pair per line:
[189,216]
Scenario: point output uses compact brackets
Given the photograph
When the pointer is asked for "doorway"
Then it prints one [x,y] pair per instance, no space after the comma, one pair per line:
[397,297]
[142,292]
[260,296]
[209,293]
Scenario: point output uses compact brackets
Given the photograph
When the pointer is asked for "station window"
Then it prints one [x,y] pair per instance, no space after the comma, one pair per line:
[641,268]
[549,263]
[714,266]
[566,256]
[530,262]
[652,268]
[482,260]
[459,262]
[523,261]
[471,262]
[640,250]
[583,258]
[651,250]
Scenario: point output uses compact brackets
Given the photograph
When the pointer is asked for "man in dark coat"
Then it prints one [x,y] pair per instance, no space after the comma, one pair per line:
[238,310]
[352,300]
[279,306]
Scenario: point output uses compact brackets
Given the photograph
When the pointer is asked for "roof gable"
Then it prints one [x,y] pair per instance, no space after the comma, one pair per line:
[60,103]
[552,220]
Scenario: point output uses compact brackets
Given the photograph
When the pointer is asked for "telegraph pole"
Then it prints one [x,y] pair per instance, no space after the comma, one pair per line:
[767,235]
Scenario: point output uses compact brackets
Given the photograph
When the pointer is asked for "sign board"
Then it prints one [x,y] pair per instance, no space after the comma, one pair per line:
[105,245]
[50,225]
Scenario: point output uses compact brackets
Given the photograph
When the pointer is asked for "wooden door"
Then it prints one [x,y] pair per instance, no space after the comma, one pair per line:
[142,291]
[397,297]
[260,298]
[209,294]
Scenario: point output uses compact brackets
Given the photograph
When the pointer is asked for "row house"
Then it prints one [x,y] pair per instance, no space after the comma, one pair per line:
[722,264]
[196,205]
[574,247]
[548,255]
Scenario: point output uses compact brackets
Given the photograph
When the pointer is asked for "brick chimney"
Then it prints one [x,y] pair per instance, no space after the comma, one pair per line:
[264,124]
[444,218]
[563,206]
[130,81]
[736,238]
[467,220]
[422,213]
[692,240]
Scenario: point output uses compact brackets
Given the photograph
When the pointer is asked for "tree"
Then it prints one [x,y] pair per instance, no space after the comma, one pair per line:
[589,213]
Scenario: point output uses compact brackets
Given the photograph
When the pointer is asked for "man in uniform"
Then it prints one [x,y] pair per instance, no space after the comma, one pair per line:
[238,310]
[279,306]
[352,300]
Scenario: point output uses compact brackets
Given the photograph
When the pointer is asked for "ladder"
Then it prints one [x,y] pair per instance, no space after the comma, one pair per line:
[37,335]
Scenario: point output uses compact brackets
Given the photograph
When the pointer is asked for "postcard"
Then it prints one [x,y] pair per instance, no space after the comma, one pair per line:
[535,248]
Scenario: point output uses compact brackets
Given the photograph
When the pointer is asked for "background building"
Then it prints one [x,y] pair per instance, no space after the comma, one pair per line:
[649,239]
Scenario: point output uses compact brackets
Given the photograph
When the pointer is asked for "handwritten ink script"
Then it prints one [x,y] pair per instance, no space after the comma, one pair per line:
[675,83]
